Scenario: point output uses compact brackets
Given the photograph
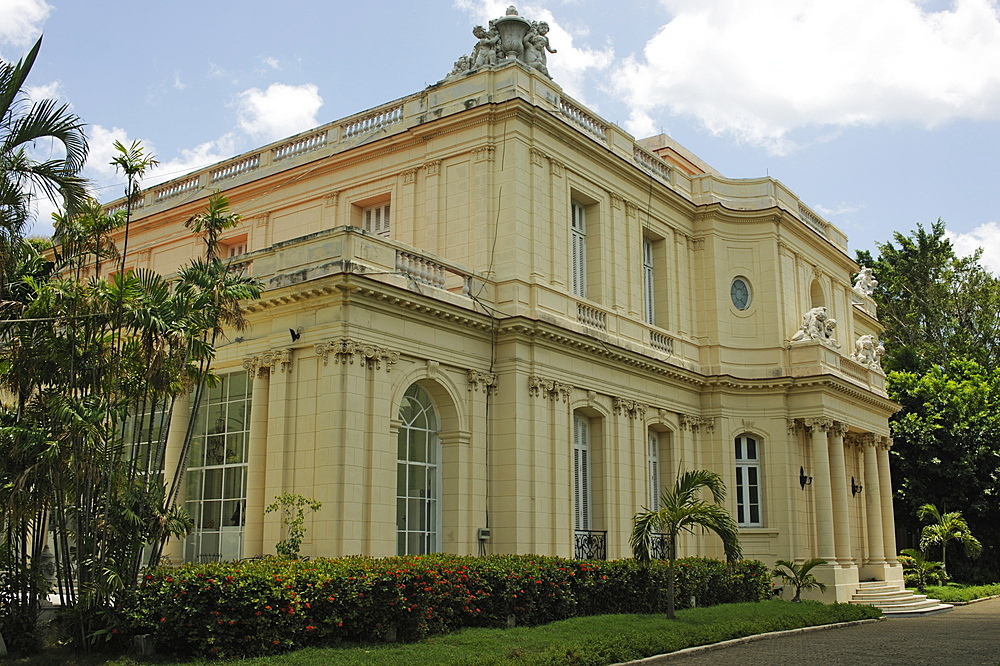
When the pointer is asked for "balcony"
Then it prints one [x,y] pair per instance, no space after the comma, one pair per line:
[590,545]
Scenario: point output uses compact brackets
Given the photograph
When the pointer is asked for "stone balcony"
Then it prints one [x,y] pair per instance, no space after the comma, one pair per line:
[812,357]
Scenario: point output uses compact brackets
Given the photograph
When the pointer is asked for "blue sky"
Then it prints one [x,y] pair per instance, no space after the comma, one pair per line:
[879,114]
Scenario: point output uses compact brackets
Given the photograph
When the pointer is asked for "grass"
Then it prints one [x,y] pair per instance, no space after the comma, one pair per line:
[601,639]
[953,592]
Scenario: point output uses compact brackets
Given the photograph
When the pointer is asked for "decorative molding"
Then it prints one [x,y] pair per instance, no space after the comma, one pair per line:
[794,425]
[616,199]
[557,168]
[409,176]
[433,167]
[537,157]
[695,243]
[839,428]
[346,350]
[332,199]
[663,416]
[696,423]
[486,153]
[592,398]
[817,272]
[264,220]
[548,388]
[632,408]
[885,443]
[432,368]
[267,361]
[813,424]
[747,424]
[487,380]
[630,208]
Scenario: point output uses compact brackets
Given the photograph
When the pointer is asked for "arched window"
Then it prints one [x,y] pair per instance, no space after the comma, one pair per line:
[581,473]
[747,482]
[418,493]
[653,471]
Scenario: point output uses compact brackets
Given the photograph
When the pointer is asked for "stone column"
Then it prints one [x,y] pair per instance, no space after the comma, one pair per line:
[873,501]
[253,530]
[825,541]
[841,509]
[276,456]
[885,495]
[174,548]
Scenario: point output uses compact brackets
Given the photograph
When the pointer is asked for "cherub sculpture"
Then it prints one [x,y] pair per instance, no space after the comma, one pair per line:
[865,282]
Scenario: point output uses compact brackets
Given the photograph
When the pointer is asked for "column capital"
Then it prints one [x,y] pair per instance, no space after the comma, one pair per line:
[264,364]
[839,428]
[346,350]
[488,380]
[817,424]
[630,407]
[548,388]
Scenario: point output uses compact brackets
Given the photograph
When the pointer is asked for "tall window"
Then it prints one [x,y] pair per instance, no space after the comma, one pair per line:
[581,472]
[653,471]
[578,243]
[376,219]
[648,296]
[217,472]
[417,475]
[747,482]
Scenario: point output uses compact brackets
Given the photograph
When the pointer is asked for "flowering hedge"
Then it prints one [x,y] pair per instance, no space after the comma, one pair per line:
[232,609]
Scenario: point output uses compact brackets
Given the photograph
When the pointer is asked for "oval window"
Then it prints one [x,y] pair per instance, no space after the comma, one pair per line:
[739,291]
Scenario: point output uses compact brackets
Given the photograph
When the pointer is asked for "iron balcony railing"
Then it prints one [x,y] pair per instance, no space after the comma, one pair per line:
[590,545]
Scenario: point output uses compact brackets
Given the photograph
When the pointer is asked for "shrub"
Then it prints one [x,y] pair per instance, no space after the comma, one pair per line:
[232,609]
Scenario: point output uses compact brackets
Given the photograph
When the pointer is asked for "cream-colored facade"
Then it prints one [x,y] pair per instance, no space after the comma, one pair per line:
[584,315]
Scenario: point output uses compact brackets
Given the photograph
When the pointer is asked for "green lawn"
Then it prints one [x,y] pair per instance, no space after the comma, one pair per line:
[601,639]
[953,592]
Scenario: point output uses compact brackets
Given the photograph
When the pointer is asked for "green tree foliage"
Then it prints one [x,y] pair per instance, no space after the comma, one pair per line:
[944,529]
[918,570]
[799,576]
[22,124]
[293,508]
[91,368]
[935,305]
[947,451]
[682,510]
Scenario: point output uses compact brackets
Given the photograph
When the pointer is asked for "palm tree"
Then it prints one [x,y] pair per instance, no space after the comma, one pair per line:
[799,575]
[924,571]
[946,527]
[681,510]
[22,124]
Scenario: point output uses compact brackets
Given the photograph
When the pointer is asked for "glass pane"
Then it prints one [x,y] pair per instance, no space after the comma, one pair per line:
[432,447]
[215,449]
[418,445]
[415,514]
[238,385]
[754,514]
[432,423]
[194,509]
[196,457]
[420,420]
[199,422]
[234,448]
[414,543]
[193,481]
[740,514]
[401,453]
[215,393]
[751,449]
[739,448]
[215,417]
[432,483]
[417,481]
[232,513]
[234,418]
[233,488]
[211,518]
[213,484]
[208,550]
[401,543]
[407,410]
[752,475]
[754,495]
[401,480]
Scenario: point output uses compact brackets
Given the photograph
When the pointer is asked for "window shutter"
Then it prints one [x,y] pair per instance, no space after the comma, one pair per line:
[581,473]
[654,472]
[376,219]
[578,244]
[649,311]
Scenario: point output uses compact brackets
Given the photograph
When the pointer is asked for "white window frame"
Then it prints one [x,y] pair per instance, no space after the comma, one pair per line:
[578,249]
[418,513]
[648,294]
[653,471]
[377,219]
[748,503]
[581,473]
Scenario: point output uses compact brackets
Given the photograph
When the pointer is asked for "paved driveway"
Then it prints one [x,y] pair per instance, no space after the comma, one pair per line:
[965,636]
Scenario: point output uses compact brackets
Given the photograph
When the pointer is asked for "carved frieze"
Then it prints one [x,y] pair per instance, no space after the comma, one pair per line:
[347,351]
[548,388]
[265,363]
[486,380]
[632,408]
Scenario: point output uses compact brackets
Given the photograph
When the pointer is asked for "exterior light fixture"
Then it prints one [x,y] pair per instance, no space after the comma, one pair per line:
[803,479]
[855,487]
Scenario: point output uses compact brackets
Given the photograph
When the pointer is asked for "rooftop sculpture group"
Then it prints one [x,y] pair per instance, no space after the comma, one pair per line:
[508,38]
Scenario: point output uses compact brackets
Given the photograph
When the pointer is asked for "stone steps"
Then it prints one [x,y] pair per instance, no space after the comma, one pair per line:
[895,600]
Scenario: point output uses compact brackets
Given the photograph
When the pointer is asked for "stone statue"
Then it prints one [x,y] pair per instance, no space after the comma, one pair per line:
[817,325]
[865,282]
[535,46]
[508,38]
[868,351]
[484,54]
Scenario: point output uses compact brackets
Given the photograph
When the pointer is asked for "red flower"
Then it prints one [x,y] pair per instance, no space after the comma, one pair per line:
[310,628]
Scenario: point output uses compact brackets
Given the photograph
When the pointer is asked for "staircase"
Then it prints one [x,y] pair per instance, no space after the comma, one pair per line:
[896,601]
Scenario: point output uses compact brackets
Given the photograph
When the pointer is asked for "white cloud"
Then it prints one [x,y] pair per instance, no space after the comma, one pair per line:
[279,111]
[760,70]
[986,236]
[571,66]
[51,90]
[21,21]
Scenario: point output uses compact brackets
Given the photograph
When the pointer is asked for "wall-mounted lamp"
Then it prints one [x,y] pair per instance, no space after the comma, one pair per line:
[803,479]
[855,487]
[296,333]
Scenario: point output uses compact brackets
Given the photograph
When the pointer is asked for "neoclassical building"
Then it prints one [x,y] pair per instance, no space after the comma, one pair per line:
[495,323]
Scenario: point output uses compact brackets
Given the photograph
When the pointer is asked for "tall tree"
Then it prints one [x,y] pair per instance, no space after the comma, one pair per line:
[22,124]
[934,305]
[682,510]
